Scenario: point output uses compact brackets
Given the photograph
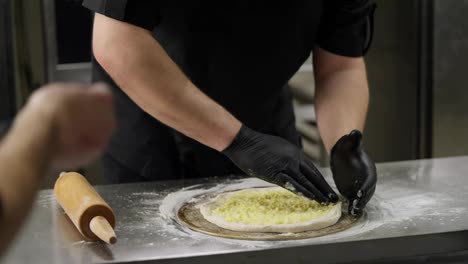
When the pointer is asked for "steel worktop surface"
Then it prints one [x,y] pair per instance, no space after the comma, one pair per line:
[420,209]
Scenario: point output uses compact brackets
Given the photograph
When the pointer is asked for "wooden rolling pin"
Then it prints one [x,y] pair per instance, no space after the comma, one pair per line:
[87,210]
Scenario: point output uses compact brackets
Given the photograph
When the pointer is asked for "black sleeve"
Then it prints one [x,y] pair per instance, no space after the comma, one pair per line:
[141,13]
[346,27]
[4,127]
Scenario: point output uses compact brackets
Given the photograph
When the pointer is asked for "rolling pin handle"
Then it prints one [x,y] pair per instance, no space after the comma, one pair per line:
[102,229]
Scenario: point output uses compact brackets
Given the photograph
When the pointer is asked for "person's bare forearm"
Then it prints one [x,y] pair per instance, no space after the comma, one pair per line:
[139,65]
[341,101]
[24,158]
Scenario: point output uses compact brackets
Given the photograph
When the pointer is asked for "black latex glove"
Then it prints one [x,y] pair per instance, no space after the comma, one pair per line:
[275,160]
[354,172]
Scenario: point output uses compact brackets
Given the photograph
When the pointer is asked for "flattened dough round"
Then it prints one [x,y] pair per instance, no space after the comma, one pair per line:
[268,210]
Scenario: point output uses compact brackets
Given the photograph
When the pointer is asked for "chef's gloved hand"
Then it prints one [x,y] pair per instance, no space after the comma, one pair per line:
[275,160]
[354,172]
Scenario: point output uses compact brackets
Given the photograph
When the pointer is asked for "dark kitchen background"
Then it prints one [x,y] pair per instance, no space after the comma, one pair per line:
[417,70]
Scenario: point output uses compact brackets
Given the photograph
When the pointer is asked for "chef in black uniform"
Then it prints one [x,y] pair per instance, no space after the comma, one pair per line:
[200,90]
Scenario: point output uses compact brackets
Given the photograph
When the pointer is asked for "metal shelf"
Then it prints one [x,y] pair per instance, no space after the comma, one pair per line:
[302,85]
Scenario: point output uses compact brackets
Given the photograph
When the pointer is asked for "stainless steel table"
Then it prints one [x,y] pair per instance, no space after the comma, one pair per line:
[419,213]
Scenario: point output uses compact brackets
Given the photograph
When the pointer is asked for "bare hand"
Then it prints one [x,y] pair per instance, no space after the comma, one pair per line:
[82,121]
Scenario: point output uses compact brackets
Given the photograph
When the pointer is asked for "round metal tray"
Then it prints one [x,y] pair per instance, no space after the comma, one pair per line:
[189,215]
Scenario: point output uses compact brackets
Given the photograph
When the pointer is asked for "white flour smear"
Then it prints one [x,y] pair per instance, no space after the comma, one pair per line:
[405,203]
[46,200]
[172,202]
[400,204]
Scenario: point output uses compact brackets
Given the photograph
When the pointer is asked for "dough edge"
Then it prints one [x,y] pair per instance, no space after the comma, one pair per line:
[326,220]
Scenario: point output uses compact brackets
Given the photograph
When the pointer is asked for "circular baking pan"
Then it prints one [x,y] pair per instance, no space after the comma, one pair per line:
[190,216]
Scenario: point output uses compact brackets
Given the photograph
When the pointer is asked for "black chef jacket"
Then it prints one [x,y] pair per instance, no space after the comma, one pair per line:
[241,54]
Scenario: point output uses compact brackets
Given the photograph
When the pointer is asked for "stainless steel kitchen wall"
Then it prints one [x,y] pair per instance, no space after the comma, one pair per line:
[393,127]
[418,73]
[450,65]
[23,49]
